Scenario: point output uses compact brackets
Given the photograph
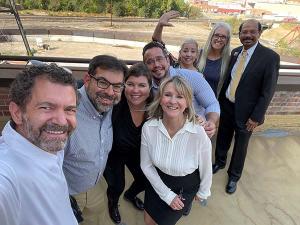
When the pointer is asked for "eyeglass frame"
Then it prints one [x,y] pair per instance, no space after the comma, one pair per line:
[220,36]
[159,59]
[108,84]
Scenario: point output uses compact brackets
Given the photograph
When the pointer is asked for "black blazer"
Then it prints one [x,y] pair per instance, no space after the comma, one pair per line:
[257,85]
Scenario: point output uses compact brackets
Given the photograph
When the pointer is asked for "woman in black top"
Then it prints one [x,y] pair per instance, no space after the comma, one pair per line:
[128,118]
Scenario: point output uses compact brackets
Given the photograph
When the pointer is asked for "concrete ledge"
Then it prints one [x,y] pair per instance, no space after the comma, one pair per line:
[283,122]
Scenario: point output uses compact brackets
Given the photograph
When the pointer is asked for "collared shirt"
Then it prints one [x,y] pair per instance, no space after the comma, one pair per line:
[233,71]
[188,150]
[33,188]
[87,149]
[204,99]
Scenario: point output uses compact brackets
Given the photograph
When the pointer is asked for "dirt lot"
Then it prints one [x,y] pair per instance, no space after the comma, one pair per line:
[143,30]
[173,35]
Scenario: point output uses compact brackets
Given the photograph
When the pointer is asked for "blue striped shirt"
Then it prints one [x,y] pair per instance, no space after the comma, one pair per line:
[87,149]
[204,99]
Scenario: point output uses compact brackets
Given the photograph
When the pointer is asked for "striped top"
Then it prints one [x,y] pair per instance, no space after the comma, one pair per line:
[88,147]
[188,150]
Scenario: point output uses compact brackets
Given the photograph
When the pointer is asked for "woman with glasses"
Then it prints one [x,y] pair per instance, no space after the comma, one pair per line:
[175,154]
[211,61]
[128,118]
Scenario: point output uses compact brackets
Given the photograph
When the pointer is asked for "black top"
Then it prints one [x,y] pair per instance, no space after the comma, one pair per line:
[126,136]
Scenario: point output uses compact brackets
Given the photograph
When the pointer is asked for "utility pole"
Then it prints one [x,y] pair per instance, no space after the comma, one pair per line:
[111,7]
[21,29]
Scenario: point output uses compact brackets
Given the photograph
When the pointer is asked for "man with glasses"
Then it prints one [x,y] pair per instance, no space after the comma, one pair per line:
[87,149]
[248,88]
[204,100]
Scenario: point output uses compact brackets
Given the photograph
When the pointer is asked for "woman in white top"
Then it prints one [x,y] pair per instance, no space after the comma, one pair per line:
[175,155]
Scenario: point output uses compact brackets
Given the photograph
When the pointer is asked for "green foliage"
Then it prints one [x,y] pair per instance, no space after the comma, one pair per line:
[141,8]
[32,4]
[4,3]
[234,22]
[119,9]
[193,12]
[284,48]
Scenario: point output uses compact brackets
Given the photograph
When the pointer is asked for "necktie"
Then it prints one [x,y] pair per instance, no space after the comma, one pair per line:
[238,74]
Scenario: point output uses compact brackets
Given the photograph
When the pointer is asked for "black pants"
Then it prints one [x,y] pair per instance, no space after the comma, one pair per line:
[227,129]
[114,175]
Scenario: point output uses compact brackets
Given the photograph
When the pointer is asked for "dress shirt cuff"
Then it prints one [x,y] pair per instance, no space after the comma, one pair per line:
[213,108]
[169,197]
[203,195]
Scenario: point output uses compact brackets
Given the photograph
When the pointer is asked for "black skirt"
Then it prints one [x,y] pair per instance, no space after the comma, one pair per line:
[159,210]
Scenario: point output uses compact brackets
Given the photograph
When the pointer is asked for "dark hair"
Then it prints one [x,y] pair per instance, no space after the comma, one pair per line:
[259,27]
[21,87]
[155,44]
[107,62]
[139,70]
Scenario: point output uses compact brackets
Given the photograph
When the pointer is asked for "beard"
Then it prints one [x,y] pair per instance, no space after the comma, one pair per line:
[96,98]
[38,136]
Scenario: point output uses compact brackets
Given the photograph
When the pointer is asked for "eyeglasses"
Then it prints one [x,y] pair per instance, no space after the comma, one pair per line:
[220,36]
[104,84]
[158,59]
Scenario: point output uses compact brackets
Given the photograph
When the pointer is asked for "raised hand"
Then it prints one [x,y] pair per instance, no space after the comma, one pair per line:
[164,19]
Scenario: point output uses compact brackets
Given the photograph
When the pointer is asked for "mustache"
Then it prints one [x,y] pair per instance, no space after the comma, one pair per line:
[247,38]
[104,95]
[56,127]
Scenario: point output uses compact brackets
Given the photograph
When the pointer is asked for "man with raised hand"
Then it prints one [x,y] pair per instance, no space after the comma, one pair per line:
[204,100]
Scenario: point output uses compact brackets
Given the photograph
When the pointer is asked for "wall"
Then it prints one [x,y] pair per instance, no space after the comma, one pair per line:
[283,103]
[4,102]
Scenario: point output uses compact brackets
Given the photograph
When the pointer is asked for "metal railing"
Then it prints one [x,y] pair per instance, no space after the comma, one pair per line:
[289,75]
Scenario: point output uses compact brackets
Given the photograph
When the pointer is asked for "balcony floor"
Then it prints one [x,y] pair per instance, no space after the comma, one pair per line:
[267,194]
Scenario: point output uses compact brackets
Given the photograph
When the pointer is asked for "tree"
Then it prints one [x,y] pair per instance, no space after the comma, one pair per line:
[143,8]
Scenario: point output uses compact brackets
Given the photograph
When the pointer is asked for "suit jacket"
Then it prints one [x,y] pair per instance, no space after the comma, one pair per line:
[257,85]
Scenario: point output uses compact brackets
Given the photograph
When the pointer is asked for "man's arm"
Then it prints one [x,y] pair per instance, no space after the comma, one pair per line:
[267,89]
[9,201]
[206,98]
[163,21]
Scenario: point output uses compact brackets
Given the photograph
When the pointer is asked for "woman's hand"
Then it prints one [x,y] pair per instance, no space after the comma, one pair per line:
[202,201]
[164,19]
[197,198]
[177,204]
[200,120]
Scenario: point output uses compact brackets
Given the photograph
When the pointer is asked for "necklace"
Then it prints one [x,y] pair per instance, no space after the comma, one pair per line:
[137,110]
[143,109]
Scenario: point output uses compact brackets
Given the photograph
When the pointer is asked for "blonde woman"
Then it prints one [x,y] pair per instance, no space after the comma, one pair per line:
[211,61]
[175,155]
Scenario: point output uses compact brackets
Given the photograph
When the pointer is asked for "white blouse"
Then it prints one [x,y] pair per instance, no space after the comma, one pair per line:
[188,150]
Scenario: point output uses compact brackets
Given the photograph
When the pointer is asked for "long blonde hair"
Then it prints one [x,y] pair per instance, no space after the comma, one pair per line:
[225,54]
[155,109]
